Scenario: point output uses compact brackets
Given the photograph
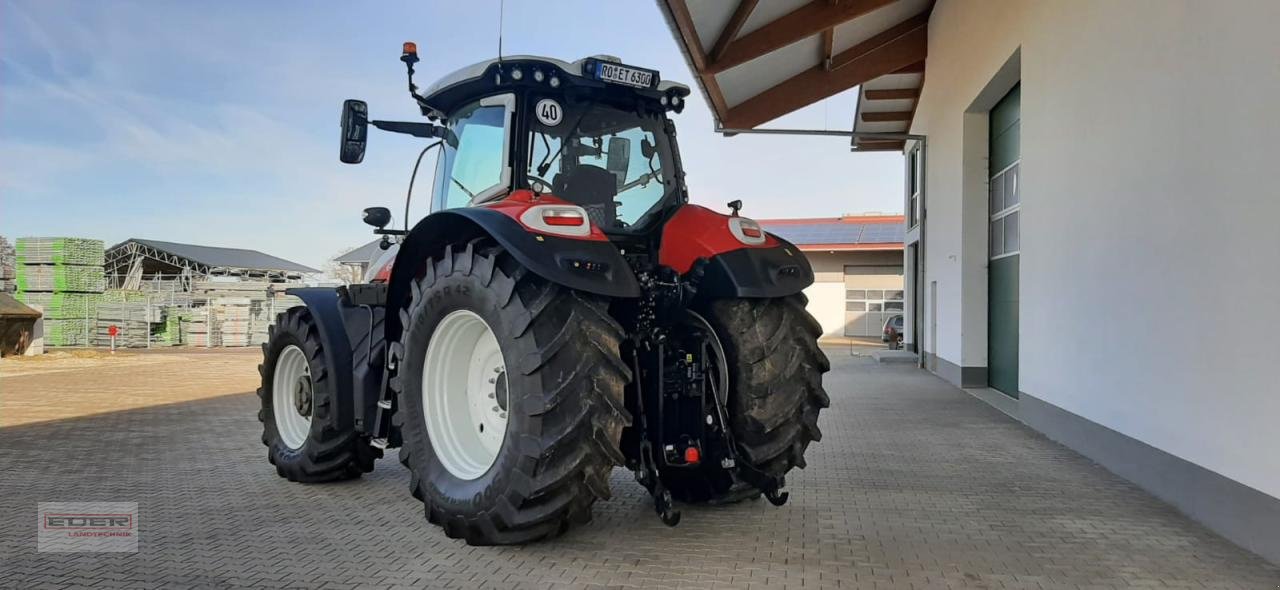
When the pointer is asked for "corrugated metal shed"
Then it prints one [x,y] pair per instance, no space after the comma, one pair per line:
[213,256]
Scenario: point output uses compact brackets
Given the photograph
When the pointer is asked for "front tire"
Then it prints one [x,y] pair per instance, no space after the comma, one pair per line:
[564,407]
[309,432]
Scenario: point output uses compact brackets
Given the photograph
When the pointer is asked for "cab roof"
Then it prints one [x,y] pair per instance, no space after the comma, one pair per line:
[443,94]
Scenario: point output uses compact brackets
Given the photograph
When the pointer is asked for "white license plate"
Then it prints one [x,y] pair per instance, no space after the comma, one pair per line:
[623,75]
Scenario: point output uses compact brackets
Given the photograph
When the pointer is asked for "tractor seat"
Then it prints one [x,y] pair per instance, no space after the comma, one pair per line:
[591,187]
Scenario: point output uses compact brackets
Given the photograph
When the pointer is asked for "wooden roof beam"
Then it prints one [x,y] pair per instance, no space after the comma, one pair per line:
[802,23]
[733,27]
[915,68]
[890,52]
[918,21]
[879,145]
[886,117]
[689,35]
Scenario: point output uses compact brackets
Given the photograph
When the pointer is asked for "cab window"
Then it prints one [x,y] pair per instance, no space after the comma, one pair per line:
[609,160]
[474,164]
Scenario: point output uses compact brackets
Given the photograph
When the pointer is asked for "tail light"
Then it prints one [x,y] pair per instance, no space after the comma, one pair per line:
[746,230]
[563,220]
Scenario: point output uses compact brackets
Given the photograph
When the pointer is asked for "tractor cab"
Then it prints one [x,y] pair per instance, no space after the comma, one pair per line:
[591,134]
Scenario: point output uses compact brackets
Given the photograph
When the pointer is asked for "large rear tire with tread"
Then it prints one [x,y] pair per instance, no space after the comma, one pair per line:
[562,378]
[775,393]
[310,438]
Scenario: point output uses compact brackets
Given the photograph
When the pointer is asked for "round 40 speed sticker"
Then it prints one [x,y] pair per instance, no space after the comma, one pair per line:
[549,112]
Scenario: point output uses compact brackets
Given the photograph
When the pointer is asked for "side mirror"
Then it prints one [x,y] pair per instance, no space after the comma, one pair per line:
[355,130]
[619,158]
[378,217]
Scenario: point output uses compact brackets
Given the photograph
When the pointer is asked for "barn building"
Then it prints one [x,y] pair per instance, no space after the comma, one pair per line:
[134,260]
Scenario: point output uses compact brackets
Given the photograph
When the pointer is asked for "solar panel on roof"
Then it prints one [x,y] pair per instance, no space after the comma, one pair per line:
[837,233]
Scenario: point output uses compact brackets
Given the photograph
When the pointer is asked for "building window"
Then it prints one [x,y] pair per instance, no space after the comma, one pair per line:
[1005,206]
[915,181]
[873,300]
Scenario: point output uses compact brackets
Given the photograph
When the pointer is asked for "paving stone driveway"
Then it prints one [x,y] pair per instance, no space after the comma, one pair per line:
[915,485]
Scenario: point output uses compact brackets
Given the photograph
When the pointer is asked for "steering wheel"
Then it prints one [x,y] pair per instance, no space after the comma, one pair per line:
[544,183]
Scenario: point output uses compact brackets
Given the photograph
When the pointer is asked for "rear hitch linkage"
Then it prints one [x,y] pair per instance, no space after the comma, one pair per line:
[647,473]
[667,300]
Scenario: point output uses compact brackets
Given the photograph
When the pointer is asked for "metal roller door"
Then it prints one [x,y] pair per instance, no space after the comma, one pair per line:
[1005,244]
[872,295]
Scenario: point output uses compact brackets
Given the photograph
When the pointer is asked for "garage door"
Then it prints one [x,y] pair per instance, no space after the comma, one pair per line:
[1006,240]
[872,294]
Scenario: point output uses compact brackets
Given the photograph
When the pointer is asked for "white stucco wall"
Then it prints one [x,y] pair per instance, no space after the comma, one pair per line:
[826,304]
[1150,217]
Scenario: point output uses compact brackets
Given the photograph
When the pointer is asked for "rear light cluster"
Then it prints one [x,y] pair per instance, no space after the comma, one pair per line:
[746,230]
[562,220]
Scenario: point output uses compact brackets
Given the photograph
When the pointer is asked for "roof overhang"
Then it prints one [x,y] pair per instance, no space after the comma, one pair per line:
[757,61]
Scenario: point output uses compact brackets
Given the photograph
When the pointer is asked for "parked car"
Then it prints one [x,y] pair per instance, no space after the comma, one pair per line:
[892,332]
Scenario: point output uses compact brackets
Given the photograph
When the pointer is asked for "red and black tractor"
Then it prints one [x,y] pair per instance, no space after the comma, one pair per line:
[562,311]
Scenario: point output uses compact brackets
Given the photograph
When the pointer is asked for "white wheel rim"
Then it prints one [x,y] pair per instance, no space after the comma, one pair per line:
[464,394]
[291,396]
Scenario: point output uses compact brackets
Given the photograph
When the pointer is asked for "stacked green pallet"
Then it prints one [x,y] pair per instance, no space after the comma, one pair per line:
[8,259]
[68,332]
[170,330]
[65,277]
[63,306]
[59,278]
[73,251]
[124,296]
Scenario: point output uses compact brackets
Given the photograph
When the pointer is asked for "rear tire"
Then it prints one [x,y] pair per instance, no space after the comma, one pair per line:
[564,411]
[309,432]
[775,393]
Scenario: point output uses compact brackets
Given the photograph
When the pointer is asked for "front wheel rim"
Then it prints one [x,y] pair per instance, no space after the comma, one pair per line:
[292,396]
[465,394]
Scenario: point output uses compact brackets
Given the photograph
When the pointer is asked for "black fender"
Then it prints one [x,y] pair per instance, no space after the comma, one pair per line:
[354,348]
[591,266]
[755,273]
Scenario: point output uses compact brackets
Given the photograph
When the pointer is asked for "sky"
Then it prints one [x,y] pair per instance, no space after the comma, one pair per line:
[216,123]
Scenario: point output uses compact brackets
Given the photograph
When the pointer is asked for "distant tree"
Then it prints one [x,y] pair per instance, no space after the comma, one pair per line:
[344,273]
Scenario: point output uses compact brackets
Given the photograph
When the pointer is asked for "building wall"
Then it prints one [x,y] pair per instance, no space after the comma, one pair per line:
[826,294]
[1148,220]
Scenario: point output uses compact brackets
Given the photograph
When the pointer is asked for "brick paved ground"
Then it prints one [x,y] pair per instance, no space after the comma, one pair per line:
[915,485]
